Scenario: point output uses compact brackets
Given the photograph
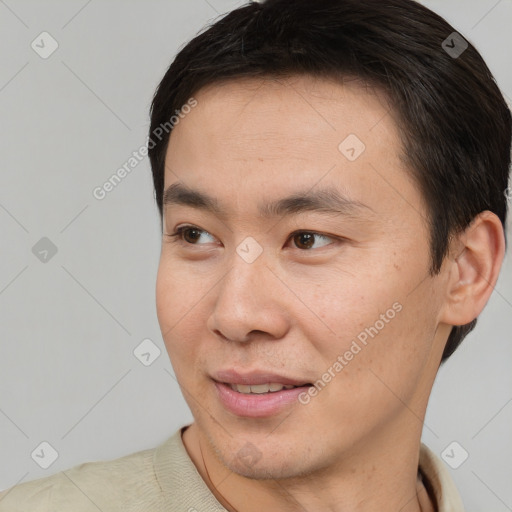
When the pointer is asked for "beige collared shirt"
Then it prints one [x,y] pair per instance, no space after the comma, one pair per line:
[162,479]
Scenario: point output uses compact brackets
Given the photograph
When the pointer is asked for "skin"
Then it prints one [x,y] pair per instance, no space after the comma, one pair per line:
[294,310]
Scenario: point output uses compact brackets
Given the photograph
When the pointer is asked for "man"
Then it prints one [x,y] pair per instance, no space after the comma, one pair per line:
[332,204]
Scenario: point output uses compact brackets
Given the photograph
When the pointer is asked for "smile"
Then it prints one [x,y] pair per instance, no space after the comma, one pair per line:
[260,388]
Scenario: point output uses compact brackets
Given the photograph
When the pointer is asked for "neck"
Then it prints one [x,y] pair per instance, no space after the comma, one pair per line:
[377,476]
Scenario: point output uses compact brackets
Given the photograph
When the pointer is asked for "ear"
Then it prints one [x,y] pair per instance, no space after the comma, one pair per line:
[473,266]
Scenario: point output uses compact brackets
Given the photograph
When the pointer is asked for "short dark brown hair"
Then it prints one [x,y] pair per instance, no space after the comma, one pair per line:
[454,123]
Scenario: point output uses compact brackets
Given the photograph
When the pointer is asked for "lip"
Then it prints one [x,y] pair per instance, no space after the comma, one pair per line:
[256,405]
[255,377]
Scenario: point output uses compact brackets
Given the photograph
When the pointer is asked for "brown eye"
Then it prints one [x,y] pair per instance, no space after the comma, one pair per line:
[188,235]
[191,235]
[306,239]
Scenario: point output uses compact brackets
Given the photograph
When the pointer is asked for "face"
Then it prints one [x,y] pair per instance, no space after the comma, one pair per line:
[328,290]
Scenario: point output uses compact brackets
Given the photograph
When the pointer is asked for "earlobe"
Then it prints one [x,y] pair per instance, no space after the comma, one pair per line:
[474,266]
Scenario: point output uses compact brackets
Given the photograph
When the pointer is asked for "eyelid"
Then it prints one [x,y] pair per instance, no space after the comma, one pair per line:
[296,232]
[178,230]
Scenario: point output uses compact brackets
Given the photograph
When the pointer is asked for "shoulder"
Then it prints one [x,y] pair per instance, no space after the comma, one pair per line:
[88,487]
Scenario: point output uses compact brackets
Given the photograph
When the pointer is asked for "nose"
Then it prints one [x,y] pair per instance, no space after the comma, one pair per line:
[250,303]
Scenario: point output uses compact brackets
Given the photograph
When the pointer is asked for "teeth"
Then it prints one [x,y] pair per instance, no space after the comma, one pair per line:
[242,388]
[260,388]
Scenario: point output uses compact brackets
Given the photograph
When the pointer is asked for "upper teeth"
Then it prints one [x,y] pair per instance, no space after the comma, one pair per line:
[260,388]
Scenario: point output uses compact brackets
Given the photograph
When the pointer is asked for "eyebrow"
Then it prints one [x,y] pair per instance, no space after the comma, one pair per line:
[322,200]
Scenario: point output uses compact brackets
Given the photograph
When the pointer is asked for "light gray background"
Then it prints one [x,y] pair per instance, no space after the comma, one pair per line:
[69,326]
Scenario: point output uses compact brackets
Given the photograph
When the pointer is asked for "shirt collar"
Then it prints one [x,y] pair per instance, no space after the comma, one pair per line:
[438,482]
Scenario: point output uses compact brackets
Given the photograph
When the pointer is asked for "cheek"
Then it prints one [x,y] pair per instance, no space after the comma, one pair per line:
[176,304]
[165,298]
[344,304]
[177,293]
[384,360]
[378,316]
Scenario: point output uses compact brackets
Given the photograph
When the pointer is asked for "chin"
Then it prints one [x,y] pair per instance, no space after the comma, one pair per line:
[263,462]
[265,470]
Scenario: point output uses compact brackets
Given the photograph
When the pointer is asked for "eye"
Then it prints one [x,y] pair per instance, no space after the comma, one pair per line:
[188,234]
[306,239]
[191,234]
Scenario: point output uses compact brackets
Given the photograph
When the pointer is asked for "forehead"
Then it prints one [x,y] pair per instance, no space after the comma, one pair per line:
[259,136]
[279,110]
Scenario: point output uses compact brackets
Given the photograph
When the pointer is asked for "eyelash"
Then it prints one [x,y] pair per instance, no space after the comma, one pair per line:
[177,236]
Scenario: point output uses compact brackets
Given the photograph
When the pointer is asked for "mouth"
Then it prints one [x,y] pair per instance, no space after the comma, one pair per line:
[260,389]
[257,394]
[255,378]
